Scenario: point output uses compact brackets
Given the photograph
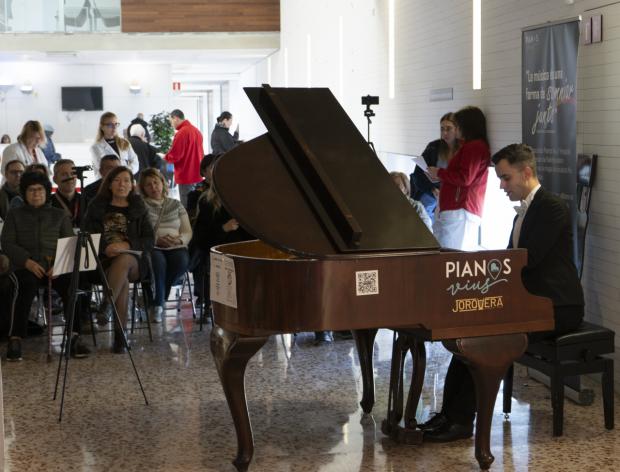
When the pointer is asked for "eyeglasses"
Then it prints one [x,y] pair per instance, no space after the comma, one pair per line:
[111,125]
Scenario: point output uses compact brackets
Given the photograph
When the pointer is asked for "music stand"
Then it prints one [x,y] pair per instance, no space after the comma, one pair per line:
[83,243]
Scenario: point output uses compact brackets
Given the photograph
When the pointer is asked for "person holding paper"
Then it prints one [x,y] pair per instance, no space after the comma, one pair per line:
[463,183]
[120,215]
[173,232]
[29,238]
[437,153]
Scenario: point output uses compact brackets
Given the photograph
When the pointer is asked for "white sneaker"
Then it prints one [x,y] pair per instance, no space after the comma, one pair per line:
[155,313]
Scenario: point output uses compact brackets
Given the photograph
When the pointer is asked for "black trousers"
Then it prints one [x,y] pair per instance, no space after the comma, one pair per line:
[459,393]
[28,285]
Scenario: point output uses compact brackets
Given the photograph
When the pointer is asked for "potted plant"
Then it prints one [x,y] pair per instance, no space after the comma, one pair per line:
[162,131]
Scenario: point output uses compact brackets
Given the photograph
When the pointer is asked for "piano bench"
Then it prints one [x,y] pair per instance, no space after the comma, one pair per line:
[572,354]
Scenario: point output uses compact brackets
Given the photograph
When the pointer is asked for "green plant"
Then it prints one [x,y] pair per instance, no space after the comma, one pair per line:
[162,131]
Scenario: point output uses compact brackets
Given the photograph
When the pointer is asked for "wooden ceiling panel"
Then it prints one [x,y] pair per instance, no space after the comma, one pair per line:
[199,16]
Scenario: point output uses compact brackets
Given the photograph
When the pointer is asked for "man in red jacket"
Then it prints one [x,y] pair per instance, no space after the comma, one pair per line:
[185,153]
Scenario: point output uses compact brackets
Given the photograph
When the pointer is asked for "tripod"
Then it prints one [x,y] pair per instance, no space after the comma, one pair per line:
[369,113]
[84,241]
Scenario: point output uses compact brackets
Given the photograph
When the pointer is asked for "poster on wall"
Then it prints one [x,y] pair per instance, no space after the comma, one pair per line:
[549,107]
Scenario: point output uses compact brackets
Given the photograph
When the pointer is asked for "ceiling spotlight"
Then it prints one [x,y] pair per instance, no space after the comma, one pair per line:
[135,87]
[26,87]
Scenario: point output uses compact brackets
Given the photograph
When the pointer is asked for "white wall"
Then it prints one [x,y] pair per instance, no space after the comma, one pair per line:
[44,103]
[433,50]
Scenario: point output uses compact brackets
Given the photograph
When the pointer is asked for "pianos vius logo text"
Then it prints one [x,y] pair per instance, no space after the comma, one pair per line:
[476,278]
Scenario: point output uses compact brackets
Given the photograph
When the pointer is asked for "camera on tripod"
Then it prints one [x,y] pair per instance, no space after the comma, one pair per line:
[369,100]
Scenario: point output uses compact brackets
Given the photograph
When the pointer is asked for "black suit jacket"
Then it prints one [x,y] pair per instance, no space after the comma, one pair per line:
[546,234]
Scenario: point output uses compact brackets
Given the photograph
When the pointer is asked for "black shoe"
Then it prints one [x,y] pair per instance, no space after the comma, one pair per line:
[14,350]
[437,421]
[34,328]
[449,432]
[322,337]
[78,350]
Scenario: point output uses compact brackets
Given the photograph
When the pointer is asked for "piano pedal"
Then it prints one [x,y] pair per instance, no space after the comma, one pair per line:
[506,416]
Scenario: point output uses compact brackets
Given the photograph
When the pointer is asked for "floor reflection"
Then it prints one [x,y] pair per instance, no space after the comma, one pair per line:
[303,401]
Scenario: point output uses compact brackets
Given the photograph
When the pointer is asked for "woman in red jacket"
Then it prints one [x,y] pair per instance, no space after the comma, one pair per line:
[463,183]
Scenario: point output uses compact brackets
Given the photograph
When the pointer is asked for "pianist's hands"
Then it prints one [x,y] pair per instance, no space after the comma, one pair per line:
[230,225]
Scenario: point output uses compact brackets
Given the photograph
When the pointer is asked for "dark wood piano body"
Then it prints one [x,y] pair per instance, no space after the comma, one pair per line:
[325,210]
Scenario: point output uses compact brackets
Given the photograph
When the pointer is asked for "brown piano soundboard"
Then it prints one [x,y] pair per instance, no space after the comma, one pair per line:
[341,248]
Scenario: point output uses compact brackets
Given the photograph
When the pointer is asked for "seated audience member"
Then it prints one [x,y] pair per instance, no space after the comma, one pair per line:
[463,183]
[50,150]
[18,200]
[173,232]
[6,139]
[437,153]
[402,182]
[27,148]
[213,226]
[543,227]
[196,256]
[29,238]
[66,197]
[147,154]
[106,164]
[109,142]
[10,188]
[206,171]
[121,217]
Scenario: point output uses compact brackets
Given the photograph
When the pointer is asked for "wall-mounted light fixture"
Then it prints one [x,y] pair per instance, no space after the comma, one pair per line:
[26,87]
[135,87]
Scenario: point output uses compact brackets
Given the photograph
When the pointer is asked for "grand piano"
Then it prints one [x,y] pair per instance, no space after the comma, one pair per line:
[340,248]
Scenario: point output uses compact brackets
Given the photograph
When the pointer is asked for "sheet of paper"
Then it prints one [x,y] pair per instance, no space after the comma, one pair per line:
[420,162]
[65,254]
[130,251]
[223,287]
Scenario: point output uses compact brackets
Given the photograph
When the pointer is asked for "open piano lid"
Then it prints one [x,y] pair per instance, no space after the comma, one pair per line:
[312,186]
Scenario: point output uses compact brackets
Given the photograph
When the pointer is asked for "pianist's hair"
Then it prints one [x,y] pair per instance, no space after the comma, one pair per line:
[520,155]
[472,124]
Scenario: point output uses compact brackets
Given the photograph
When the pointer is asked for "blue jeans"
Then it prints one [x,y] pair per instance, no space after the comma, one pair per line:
[168,268]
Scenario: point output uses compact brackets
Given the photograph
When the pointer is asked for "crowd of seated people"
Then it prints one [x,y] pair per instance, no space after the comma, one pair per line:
[146,235]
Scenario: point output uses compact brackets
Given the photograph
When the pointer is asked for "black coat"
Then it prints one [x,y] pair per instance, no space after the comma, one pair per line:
[139,228]
[208,230]
[420,184]
[546,234]
[147,154]
[222,141]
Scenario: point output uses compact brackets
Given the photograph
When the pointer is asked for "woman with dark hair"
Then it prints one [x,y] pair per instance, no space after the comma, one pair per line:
[27,148]
[172,235]
[437,153]
[29,237]
[121,217]
[463,183]
[109,142]
[221,139]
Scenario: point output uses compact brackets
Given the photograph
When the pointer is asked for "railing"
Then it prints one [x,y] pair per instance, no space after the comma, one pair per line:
[60,16]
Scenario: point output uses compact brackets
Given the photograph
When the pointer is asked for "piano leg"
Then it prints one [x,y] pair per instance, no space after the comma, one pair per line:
[364,341]
[232,352]
[488,358]
[409,433]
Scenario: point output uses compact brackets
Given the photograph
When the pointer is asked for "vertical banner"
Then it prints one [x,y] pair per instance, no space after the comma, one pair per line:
[549,105]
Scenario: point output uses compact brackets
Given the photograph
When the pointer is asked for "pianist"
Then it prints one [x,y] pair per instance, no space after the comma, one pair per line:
[542,226]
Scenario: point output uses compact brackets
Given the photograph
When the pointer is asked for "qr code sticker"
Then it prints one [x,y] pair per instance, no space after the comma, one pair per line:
[367,282]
